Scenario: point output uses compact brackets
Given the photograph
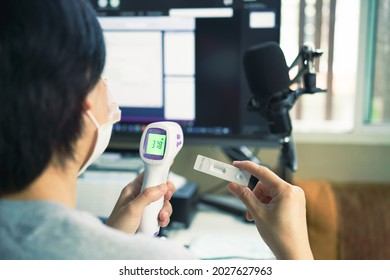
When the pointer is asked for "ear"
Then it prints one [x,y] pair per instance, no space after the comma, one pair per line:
[87,103]
[92,97]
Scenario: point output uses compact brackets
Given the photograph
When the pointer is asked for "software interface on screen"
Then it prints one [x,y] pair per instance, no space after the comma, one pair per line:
[183,62]
[151,67]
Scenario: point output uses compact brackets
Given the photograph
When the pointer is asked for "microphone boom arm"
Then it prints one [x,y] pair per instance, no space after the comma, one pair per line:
[306,56]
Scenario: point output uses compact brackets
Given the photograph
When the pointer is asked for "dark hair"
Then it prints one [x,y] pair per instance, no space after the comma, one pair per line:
[52,54]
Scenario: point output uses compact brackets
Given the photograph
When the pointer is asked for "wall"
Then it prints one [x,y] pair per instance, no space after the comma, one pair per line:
[344,163]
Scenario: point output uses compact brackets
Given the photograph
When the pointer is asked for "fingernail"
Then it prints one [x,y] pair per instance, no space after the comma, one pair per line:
[169,194]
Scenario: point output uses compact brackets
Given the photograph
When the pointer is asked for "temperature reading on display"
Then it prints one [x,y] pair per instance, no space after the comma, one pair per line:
[156,144]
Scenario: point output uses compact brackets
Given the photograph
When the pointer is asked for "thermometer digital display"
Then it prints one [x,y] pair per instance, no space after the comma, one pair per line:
[155,143]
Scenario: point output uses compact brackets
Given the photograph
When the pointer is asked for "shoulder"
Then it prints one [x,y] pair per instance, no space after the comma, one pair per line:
[53,231]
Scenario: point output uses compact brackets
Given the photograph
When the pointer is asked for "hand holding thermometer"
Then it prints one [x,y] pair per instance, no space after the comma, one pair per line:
[160,143]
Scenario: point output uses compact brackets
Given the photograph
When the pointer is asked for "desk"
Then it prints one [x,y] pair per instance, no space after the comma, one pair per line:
[214,234]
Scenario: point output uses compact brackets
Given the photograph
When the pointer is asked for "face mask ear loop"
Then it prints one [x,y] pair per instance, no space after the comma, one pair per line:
[93,119]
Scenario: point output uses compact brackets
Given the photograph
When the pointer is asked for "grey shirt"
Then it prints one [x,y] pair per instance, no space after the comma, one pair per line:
[48,230]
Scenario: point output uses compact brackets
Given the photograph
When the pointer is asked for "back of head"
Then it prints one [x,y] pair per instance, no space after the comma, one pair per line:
[52,54]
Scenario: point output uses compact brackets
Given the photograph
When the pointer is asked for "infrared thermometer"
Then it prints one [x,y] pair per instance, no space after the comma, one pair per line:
[160,143]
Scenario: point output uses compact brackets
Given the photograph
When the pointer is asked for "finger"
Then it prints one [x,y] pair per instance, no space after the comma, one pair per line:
[263,193]
[134,188]
[270,180]
[171,190]
[248,216]
[137,182]
[164,219]
[167,208]
[165,214]
[247,197]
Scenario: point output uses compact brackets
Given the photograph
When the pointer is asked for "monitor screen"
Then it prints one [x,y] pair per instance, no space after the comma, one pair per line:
[182,61]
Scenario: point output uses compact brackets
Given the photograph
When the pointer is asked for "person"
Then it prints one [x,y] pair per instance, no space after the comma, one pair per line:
[56,116]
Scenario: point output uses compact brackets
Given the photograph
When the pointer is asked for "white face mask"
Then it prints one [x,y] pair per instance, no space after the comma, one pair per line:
[103,132]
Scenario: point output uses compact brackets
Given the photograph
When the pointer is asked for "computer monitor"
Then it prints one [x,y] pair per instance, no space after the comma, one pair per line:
[182,61]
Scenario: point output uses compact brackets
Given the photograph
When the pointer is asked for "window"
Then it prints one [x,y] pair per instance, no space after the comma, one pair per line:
[356,41]
[379,102]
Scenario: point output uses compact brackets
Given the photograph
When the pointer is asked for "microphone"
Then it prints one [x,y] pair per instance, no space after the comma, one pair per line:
[267,74]
[266,69]
[268,77]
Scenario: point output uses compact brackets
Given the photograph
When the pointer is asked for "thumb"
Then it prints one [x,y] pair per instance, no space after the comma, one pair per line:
[148,196]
